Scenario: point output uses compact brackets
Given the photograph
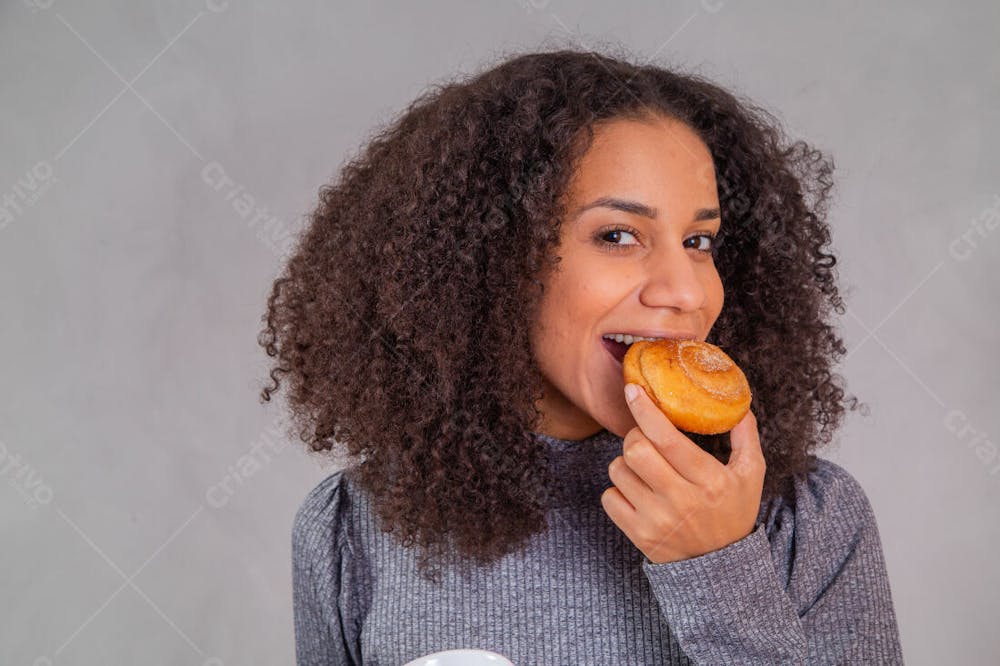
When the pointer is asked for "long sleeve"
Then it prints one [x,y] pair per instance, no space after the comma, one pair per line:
[324,632]
[812,589]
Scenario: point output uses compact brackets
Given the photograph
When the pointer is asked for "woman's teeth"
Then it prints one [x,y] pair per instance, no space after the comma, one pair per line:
[627,339]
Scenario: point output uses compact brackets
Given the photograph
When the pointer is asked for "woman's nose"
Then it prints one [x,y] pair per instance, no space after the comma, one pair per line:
[673,281]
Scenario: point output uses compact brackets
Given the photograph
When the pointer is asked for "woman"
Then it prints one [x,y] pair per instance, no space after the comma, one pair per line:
[443,323]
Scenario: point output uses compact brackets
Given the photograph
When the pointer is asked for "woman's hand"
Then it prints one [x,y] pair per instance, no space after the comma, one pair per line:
[675,501]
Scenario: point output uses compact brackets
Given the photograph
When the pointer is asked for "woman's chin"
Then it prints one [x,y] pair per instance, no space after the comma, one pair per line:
[613,413]
[618,420]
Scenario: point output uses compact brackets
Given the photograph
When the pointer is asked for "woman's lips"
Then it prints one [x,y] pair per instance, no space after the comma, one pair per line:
[616,349]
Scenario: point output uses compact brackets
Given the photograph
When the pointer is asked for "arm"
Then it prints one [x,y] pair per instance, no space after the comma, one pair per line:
[317,581]
[816,592]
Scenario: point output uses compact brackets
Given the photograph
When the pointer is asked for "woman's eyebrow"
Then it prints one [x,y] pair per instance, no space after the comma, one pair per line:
[638,208]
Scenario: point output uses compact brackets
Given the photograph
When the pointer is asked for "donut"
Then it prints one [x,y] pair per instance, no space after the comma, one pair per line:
[694,383]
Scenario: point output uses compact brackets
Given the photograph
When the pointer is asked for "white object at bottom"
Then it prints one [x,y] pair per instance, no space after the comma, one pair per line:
[461,658]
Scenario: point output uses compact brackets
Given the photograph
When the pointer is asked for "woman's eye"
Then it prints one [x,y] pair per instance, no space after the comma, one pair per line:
[617,238]
[702,242]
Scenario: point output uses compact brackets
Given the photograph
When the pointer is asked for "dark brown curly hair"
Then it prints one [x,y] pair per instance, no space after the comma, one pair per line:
[401,320]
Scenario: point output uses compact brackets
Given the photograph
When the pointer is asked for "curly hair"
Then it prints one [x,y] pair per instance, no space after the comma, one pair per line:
[402,317]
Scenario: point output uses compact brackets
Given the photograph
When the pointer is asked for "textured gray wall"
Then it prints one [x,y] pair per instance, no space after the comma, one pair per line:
[147,497]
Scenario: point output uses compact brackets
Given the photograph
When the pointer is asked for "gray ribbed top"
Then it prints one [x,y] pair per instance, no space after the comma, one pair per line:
[807,586]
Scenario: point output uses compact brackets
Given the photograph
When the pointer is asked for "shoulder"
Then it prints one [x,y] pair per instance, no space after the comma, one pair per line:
[827,498]
[826,520]
[831,493]
[318,522]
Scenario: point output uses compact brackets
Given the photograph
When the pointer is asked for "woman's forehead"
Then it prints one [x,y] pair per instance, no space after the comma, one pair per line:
[661,166]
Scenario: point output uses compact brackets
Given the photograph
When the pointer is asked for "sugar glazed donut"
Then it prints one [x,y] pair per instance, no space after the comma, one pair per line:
[695,384]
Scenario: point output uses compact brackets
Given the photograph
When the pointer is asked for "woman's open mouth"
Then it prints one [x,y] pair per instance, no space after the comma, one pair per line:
[617,344]
[615,348]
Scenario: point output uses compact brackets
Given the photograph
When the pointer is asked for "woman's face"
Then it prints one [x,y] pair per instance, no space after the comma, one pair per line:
[635,259]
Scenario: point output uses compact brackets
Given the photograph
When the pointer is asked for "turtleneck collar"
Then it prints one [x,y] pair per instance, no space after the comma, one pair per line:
[572,443]
[580,466]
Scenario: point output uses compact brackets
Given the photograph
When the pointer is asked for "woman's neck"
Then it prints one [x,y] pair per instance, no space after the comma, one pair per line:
[563,420]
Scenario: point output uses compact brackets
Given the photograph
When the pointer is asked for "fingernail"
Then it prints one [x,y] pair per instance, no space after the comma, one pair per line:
[631,392]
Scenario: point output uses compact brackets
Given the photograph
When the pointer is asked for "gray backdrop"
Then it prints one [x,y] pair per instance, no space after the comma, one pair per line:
[147,497]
